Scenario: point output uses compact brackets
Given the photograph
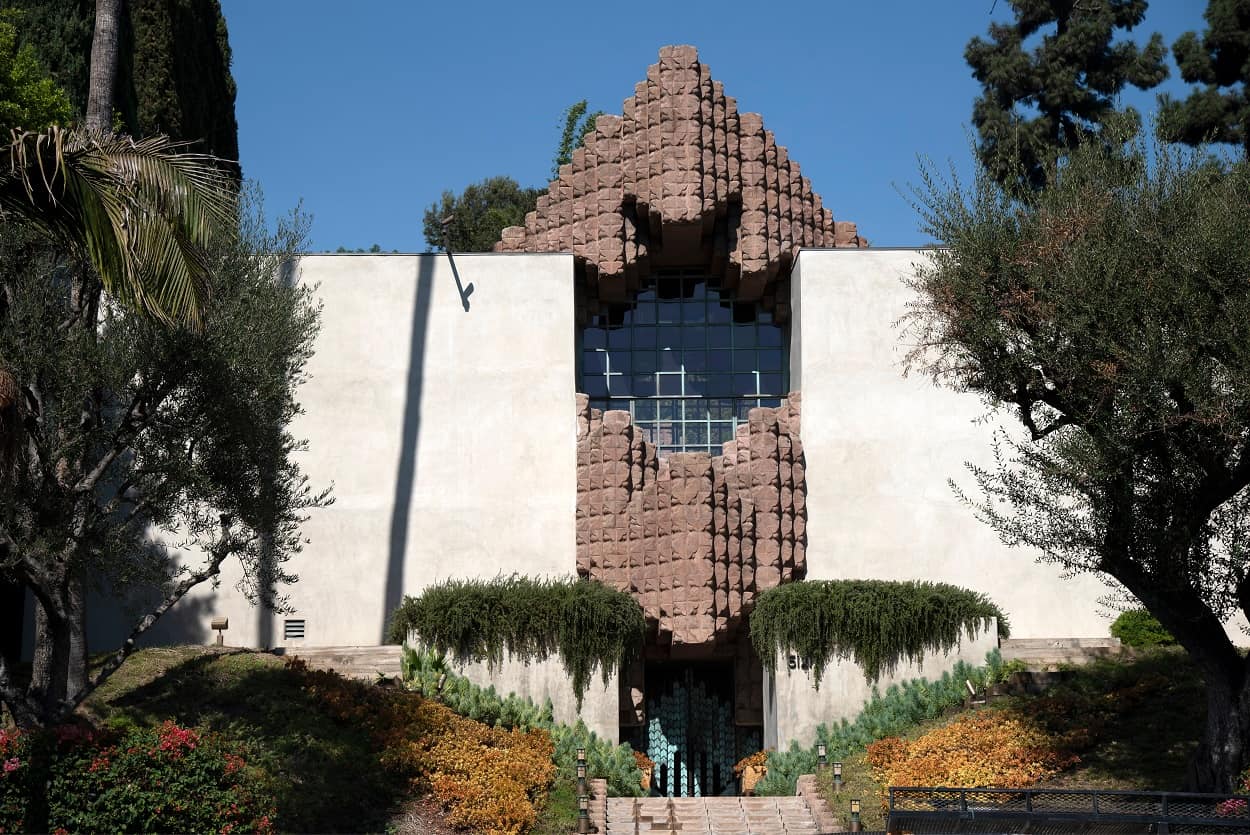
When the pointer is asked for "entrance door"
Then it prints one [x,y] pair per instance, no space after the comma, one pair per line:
[689,730]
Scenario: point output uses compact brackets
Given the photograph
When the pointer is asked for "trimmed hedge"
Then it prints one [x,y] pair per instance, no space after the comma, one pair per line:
[877,623]
[586,624]
[1139,629]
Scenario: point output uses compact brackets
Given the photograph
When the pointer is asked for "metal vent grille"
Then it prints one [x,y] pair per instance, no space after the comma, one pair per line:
[293,630]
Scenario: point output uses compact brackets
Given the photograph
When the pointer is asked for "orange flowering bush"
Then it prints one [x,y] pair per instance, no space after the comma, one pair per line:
[983,748]
[489,779]
[757,760]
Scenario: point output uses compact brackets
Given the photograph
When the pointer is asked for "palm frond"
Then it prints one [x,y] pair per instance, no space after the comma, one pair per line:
[143,211]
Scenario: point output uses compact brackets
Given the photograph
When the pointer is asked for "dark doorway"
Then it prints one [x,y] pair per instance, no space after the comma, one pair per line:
[689,730]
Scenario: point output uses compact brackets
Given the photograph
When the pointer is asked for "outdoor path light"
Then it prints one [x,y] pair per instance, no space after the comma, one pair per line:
[837,777]
[583,815]
[856,826]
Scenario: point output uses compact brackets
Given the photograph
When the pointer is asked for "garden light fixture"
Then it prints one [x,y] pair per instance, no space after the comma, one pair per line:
[822,761]
[837,777]
[583,815]
[856,826]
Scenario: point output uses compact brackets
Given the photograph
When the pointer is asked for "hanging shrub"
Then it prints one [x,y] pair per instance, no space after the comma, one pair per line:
[586,624]
[877,623]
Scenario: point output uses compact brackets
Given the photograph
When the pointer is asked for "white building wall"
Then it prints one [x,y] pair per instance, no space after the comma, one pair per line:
[880,448]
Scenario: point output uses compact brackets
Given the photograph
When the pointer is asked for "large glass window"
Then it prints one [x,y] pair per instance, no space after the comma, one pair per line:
[686,361]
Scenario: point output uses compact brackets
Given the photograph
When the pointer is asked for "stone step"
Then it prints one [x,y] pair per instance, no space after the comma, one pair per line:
[1058,643]
[353,662]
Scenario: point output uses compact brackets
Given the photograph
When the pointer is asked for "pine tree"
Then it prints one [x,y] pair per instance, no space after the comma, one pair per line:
[1220,60]
[1039,100]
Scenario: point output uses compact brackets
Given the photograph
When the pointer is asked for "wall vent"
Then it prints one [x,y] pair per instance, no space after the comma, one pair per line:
[293,630]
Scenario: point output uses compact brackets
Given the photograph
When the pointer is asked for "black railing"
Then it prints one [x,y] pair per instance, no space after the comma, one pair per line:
[927,809]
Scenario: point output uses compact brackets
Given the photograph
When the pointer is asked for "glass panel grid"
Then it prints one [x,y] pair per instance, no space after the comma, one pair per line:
[691,379]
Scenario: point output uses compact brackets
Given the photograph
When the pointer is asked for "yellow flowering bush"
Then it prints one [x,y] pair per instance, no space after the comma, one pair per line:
[488,779]
[982,748]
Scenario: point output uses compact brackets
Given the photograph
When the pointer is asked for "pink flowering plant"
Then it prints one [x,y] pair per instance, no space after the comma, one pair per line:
[164,779]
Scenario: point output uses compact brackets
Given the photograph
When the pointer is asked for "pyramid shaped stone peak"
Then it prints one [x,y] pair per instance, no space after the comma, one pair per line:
[680,179]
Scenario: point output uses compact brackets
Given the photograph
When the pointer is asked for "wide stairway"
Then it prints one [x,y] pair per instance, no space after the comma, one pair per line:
[709,815]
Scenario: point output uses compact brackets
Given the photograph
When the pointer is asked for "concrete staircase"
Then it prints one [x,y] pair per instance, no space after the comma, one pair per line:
[1044,652]
[351,662]
[708,816]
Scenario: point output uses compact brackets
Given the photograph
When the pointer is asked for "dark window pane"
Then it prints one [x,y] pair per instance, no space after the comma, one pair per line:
[720,337]
[670,360]
[670,312]
[596,387]
[722,432]
[668,288]
[644,337]
[720,385]
[720,409]
[693,336]
[644,409]
[666,433]
[593,362]
[770,359]
[717,312]
[770,335]
[645,296]
[693,311]
[744,409]
[645,361]
[648,432]
[619,362]
[744,384]
[696,385]
[618,338]
[696,433]
[744,312]
[770,384]
[669,409]
[745,361]
[669,336]
[695,360]
[595,338]
[598,404]
[763,317]
[644,313]
[619,405]
[720,361]
[669,384]
[644,385]
[618,386]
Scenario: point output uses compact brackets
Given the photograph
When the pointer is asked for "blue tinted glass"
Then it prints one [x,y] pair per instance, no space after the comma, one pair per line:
[745,361]
[669,336]
[669,384]
[618,386]
[720,337]
[644,337]
[744,384]
[693,312]
[646,361]
[593,362]
[696,385]
[670,312]
[695,360]
[644,385]
[644,314]
[670,360]
[669,409]
[717,312]
[720,409]
[619,362]
[720,385]
[720,360]
[644,409]
[696,433]
[770,384]
[618,338]
[595,338]
[770,336]
[692,336]
[722,433]
[596,387]
[770,359]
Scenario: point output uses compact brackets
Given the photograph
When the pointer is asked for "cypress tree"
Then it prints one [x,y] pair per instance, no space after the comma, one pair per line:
[1039,99]
[1219,60]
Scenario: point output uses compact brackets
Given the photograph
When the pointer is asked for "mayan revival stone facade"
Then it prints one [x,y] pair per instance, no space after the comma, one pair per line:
[693,537]
[681,177]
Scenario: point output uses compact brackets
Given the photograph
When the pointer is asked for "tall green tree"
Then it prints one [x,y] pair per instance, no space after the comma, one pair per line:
[479,214]
[577,125]
[1218,59]
[1108,315]
[1051,77]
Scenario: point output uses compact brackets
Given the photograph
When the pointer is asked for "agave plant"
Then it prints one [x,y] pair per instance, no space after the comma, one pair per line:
[143,211]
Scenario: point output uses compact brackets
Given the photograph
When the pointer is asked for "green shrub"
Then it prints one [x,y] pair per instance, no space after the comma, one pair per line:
[878,623]
[423,670]
[892,714]
[166,779]
[1140,629]
[586,624]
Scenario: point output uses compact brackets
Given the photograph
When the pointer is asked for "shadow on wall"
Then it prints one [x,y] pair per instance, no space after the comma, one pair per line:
[110,619]
[406,475]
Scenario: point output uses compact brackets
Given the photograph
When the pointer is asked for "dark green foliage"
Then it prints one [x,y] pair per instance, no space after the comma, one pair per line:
[585,623]
[877,623]
[902,707]
[1053,76]
[1219,60]
[423,670]
[481,213]
[174,76]
[1110,315]
[29,99]
[577,124]
[1140,629]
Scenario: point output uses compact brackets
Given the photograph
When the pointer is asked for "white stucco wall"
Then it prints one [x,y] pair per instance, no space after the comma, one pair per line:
[447,434]
[880,448]
[794,706]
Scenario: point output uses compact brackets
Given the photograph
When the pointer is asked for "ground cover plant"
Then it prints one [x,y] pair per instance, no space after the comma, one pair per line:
[586,624]
[877,623]
[1139,629]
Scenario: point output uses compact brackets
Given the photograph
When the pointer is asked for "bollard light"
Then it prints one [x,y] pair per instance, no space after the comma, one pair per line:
[581,755]
[822,761]
[856,826]
[581,779]
[837,777]
[583,815]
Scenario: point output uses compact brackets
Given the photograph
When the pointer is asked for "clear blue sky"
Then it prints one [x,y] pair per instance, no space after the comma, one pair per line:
[367,111]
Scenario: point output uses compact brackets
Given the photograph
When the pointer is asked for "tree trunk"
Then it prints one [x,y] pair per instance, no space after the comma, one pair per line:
[104,61]
[1223,753]
[49,678]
